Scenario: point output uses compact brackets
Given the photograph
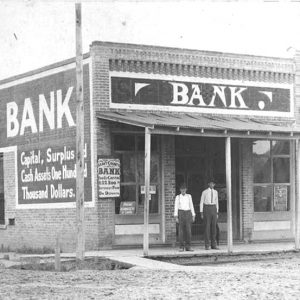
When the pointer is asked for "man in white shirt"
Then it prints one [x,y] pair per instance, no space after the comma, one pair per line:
[185,214]
[209,209]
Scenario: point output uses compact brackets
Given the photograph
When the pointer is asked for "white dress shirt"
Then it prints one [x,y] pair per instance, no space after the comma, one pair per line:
[209,197]
[184,202]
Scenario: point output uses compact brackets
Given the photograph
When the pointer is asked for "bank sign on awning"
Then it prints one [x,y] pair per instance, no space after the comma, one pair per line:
[130,90]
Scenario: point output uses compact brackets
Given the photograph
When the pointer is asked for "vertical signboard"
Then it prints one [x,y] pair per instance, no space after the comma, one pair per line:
[108,177]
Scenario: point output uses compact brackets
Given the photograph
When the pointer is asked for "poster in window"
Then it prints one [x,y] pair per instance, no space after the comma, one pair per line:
[280,197]
[108,177]
[127,208]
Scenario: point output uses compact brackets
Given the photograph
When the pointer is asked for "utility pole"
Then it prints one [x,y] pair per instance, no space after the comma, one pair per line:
[79,140]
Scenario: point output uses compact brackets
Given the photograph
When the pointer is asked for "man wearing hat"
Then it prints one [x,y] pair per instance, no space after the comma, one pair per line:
[209,209]
[185,214]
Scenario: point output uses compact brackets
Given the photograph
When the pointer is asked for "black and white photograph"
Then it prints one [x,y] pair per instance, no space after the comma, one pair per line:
[149,149]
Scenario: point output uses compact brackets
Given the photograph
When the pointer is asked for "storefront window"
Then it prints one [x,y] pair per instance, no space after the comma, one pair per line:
[128,167]
[262,198]
[281,170]
[271,161]
[132,157]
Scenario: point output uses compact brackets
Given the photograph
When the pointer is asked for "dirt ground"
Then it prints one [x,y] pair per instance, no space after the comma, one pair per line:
[275,279]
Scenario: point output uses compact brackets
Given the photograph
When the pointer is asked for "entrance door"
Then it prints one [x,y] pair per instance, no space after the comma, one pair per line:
[197,160]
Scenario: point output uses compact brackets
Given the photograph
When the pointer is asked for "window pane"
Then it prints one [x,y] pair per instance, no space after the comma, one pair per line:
[141,143]
[281,147]
[261,148]
[281,198]
[127,194]
[154,163]
[262,198]
[123,142]
[262,169]
[222,192]
[281,170]
[153,203]
[127,168]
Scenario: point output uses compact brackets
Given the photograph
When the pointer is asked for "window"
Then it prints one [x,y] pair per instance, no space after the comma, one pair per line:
[2,208]
[271,176]
[130,150]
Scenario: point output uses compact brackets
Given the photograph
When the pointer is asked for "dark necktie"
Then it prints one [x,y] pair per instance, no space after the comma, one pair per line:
[211,197]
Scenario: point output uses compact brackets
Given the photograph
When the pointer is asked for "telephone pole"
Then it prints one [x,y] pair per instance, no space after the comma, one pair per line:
[79,140]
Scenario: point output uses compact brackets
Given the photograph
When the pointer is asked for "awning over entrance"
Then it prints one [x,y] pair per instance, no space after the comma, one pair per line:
[195,124]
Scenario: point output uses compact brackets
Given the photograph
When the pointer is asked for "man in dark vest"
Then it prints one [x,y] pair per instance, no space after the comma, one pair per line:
[209,209]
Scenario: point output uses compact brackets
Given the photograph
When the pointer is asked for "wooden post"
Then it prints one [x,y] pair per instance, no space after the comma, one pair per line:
[228,190]
[293,189]
[79,139]
[147,190]
[297,204]
[57,254]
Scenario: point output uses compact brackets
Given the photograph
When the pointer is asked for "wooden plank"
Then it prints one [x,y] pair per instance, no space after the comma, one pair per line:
[211,133]
[147,190]
[79,139]
[229,195]
[297,206]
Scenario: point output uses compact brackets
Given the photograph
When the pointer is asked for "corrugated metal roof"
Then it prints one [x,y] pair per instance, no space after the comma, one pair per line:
[196,121]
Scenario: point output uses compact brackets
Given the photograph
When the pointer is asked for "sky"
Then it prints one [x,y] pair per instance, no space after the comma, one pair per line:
[34,34]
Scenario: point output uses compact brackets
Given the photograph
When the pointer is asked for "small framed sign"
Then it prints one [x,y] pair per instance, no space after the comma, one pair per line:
[127,208]
[152,189]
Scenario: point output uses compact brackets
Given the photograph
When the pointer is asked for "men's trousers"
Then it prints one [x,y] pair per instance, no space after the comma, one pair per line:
[210,224]
[185,224]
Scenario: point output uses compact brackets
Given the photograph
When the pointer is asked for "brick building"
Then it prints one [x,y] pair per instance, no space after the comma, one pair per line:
[197,106]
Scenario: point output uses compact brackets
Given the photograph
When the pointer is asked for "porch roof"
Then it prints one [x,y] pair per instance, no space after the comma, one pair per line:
[209,125]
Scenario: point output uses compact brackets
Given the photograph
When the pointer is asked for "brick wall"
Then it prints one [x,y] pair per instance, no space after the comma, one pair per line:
[169,61]
[100,78]
[247,189]
[168,158]
[183,62]
[37,228]
[105,207]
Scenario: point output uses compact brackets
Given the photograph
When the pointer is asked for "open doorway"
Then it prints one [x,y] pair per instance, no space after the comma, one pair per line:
[197,160]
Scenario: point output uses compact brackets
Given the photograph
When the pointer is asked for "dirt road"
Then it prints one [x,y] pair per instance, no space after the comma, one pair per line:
[279,279]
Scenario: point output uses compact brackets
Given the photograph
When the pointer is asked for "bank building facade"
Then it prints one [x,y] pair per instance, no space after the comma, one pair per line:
[195,114]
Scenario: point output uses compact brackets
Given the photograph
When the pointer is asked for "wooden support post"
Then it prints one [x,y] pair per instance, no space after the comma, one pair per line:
[297,204]
[147,190]
[57,254]
[79,139]
[228,190]
[293,189]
